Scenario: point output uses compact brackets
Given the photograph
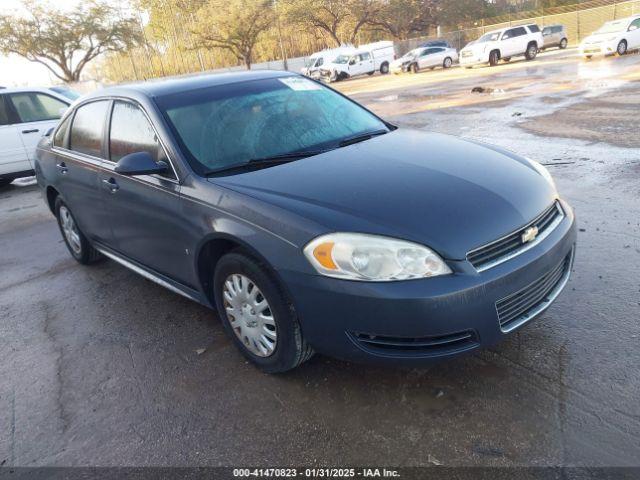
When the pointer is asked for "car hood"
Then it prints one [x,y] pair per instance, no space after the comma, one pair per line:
[477,47]
[401,61]
[449,194]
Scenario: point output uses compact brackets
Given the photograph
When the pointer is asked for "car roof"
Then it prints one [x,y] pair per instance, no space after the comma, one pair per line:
[168,86]
[26,89]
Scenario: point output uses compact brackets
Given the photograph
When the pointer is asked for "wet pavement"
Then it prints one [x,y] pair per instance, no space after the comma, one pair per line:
[99,366]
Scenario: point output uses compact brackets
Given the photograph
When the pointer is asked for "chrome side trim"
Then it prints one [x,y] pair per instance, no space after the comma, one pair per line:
[146,274]
[527,246]
[546,303]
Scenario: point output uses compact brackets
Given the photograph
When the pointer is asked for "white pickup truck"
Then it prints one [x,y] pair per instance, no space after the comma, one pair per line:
[366,59]
[502,45]
[26,114]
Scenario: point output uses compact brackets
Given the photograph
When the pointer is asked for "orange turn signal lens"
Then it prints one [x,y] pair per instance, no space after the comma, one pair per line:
[322,253]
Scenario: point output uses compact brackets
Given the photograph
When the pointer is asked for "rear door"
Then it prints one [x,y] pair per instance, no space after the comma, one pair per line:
[427,58]
[79,150]
[13,156]
[37,112]
[143,211]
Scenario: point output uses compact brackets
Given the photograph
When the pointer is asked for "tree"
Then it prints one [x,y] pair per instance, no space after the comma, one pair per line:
[66,41]
[233,25]
[403,18]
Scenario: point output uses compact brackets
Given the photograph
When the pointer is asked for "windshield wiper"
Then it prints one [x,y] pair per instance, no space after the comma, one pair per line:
[270,160]
[361,137]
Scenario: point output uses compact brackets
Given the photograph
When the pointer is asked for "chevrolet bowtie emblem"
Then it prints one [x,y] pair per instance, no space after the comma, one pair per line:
[529,234]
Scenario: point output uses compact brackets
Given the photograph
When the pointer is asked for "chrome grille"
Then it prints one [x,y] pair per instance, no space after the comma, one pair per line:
[419,346]
[521,306]
[507,247]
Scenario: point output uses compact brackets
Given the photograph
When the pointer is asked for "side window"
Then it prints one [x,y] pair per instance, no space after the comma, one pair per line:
[131,132]
[320,62]
[36,107]
[5,118]
[508,34]
[518,32]
[635,25]
[365,56]
[88,127]
[61,133]
[534,28]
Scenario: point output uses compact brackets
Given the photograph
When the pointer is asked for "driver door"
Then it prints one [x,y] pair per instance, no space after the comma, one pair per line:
[143,211]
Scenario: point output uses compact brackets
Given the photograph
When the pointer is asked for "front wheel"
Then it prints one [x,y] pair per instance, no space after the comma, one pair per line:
[447,63]
[257,315]
[414,68]
[77,244]
[494,57]
[563,43]
[622,47]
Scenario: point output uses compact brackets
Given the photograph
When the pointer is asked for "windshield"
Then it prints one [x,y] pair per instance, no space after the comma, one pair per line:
[309,62]
[226,125]
[612,27]
[489,37]
[412,53]
[342,59]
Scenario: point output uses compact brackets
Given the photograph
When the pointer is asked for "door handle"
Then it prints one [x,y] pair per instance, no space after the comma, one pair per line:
[62,168]
[33,130]
[111,183]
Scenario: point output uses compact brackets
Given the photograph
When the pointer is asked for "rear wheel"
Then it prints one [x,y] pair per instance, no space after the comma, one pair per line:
[563,43]
[494,58]
[622,47]
[257,315]
[78,245]
[532,51]
[447,63]
[384,68]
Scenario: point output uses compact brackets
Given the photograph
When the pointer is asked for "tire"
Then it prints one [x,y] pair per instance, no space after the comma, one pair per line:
[494,58]
[621,48]
[506,59]
[563,44]
[77,244]
[447,63]
[414,68]
[532,51]
[284,348]
[588,57]
[384,68]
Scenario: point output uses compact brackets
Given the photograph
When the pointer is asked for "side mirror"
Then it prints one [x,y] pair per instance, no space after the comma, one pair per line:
[140,163]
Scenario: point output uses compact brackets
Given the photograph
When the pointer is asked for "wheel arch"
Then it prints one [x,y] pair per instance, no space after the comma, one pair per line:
[51,195]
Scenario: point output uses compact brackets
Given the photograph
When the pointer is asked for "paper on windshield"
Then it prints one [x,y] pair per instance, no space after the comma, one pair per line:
[300,84]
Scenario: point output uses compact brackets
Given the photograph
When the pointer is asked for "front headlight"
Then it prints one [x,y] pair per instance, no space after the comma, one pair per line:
[542,170]
[373,258]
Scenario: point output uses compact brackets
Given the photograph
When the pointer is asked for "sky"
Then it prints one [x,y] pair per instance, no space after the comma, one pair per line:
[17,71]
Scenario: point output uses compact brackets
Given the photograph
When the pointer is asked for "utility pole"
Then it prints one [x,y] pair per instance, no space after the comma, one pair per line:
[283,53]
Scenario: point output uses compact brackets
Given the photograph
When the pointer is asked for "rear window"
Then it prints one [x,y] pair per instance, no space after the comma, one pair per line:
[87,130]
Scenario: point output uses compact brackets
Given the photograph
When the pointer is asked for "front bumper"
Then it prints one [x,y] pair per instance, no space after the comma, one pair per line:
[474,59]
[595,49]
[420,321]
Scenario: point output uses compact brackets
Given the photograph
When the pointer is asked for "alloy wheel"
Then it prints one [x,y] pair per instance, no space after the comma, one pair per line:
[622,48]
[70,230]
[250,315]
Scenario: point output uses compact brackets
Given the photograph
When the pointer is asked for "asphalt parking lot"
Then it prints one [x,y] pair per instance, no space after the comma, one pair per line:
[99,366]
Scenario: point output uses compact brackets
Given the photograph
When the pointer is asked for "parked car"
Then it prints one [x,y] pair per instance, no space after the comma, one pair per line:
[25,115]
[436,43]
[554,36]
[367,59]
[503,44]
[313,64]
[421,58]
[306,221]
[617,36]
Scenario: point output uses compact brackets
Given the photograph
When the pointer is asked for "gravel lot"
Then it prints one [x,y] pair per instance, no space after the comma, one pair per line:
[99,366]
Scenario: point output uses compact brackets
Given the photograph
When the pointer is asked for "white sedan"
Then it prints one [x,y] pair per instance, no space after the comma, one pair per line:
[425,57]
[617,36]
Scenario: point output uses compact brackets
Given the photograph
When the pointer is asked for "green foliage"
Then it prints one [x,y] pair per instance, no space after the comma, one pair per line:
[65,42]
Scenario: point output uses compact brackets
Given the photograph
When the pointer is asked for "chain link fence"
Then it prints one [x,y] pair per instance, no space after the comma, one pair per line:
[158,59]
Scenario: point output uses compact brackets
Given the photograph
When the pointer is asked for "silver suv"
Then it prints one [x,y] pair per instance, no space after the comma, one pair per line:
[554,36]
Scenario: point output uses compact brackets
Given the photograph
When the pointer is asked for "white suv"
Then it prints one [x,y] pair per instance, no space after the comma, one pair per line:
[26,114]
[502,45]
